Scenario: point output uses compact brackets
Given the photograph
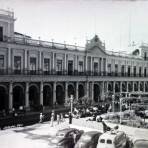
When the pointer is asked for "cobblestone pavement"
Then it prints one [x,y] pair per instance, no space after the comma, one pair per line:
[37,136]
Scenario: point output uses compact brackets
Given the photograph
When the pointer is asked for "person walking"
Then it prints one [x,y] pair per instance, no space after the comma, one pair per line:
[58,119]
[70,118]
[41,118]
[52,118]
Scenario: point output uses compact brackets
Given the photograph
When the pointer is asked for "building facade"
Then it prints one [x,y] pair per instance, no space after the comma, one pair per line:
[35,72]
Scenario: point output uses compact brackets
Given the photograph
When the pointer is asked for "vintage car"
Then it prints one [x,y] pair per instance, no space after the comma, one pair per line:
[140,143]
[65,138]
[88,140]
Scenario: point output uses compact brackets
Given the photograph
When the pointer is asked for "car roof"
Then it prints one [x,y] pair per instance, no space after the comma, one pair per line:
[66,130]
[139,139]
[111,135]
[91,133]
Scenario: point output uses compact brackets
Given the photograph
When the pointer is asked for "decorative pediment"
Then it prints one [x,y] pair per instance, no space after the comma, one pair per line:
[97,51]
[96,46]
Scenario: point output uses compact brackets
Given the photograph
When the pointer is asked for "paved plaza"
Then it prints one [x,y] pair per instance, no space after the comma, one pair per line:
[37,136]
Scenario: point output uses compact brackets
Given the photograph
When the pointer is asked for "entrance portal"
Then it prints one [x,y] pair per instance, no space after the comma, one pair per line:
[18,97]
[47,96]
[59,95]
[97,96]
[3,98]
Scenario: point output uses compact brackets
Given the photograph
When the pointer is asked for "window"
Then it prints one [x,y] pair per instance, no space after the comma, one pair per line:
[116,69]
[145,72]
[109,69]
[33,65]
[129,71]
[95,68]
[80,66]
[102,140]
[46,65]
[122,70]
[17,64]
[1,61]
[145,56]
[1,33]
[59,66]
[134,71]
[109,141]
[139,71]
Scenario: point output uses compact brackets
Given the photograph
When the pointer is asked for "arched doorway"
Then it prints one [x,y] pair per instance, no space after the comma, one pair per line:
[81,91]
[141,86]
[60,95]
[129,87]
[71,91]
[47,96]
[33,96]
[18,97]
[96,93]
[123,87]
[135,86]
[146,86]
[110,88]
[3,98]
[117,87]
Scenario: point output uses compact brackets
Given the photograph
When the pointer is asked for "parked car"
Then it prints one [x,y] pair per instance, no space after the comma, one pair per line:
[88,140]
[140,143]
[112,139]
[65,138]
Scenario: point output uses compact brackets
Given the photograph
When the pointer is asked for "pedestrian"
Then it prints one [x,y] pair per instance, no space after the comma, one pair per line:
[41,118]
[70,118]
[58,119]
[52,118]
[62,117]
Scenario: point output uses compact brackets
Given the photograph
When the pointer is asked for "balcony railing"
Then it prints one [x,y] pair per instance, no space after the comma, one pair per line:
[68,73]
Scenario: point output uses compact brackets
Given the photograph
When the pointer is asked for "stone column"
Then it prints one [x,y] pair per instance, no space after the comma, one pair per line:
[139,86]
[10,96]
[133,87]
[54,92]
[65,62]
[53,62]
[107,87]
[87,89]
[86,64]
[102,98]
[127,87]
[144,86]
[120,87]
[92,91]
[27,95]
[66,90]
[25,61]
[9,60]
[77,90]
[41,93]
[114,87]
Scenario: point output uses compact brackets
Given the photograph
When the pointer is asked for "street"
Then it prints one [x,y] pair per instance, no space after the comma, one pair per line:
[37,136]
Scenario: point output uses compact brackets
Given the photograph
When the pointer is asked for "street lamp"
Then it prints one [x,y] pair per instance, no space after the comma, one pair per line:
[71,103]
[113,103]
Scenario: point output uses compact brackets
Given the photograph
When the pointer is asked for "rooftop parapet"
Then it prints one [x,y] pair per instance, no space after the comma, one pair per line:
[6,13]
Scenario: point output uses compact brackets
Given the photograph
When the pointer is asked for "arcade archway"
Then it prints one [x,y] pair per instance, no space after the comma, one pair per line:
[60,95]
[81,91]
[71,91]
[33,96]
[117,87]
[18,97]
[47,96]
[96,93]
[3,98]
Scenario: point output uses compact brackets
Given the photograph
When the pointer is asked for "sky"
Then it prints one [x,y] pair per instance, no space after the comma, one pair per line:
[118,23]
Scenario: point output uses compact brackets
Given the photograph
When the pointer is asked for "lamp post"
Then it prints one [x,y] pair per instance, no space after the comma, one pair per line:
[113,103]
[121,100]
[71,103]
